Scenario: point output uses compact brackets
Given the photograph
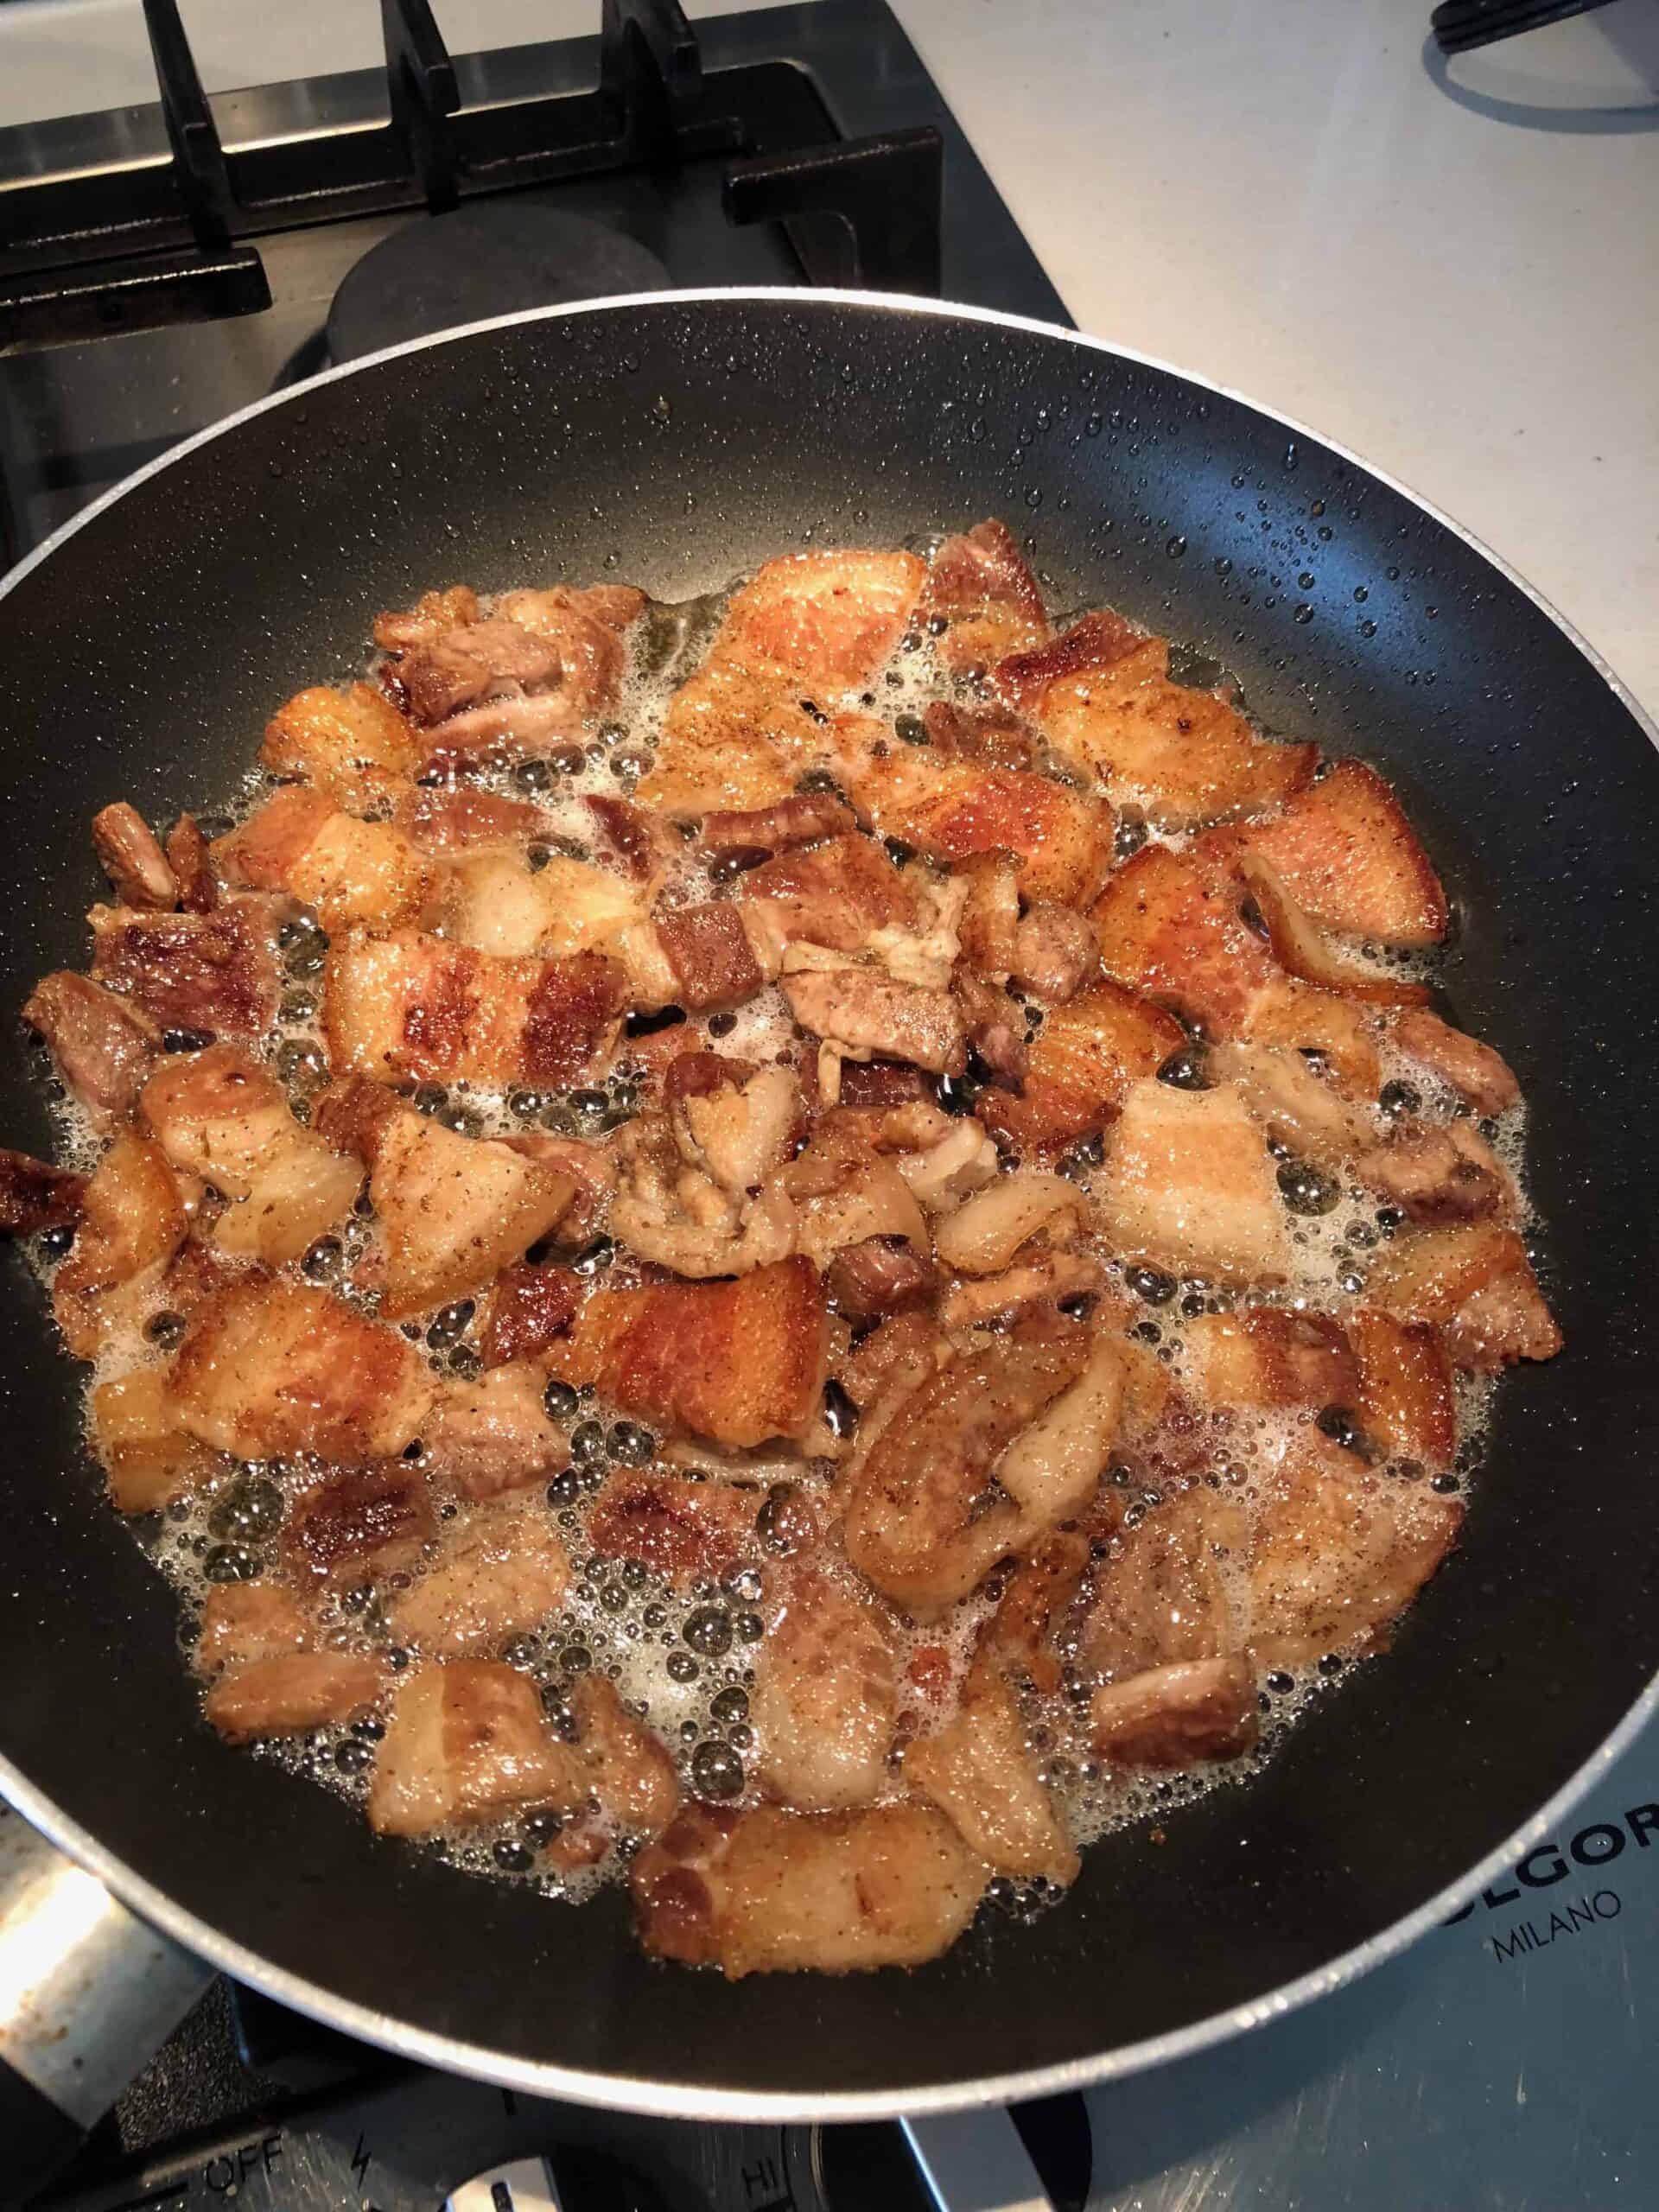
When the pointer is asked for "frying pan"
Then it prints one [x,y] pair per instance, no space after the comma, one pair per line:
[675,440]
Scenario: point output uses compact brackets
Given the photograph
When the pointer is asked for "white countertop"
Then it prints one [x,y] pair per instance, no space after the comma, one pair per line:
[1451,273]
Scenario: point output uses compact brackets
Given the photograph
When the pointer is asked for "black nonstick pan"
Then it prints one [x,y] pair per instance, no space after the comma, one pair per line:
[674,441]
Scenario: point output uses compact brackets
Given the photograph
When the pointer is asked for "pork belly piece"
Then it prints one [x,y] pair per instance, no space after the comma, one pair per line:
[133,1221]
[368,875]
[671,1212]
[982,1236]
[1186,754]
[130,854]
[410,1006]
[710,962]
[293,1693]
[1296,1104]
[102,1045]
[1271,1358]
[534,1305]
[791,822]
[823,622]
[149,1458]
[244,1621]
[861,1010]
[395,629]
[491,658]
[995,1026]
[1045,1278]
[954,808]
[1352,860]
[1189,1184]
[493,1435]
[360,1525]
[213,974]
[1476,1283]
[352,744]
[770,1890]
[507,1575]
[734,1122]
[877,1276]
[989,924]
[1480,1075]
[824,1704]
[1079,1069]
[1055,955]
[442,819]
[1017,1642]
[980,585]
[1405,1403]
[913,1527]
[1296,942]
[990,736]
[838,894]
[218,1115]
[979,1772]
[1437,1173]
[637,844]
[495,902]
[686,1529]
[267,1369]
[739,1363]
[1170,926]
[734,740]
[467,1741]
[192,866]
[628,1773]
[35,1195]
[1174,1716]
[588,630]
[1338,1552]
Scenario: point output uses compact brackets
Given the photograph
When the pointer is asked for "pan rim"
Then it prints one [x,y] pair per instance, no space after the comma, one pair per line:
[625,2093]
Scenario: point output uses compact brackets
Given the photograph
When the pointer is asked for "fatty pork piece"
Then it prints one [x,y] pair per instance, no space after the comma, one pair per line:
[267,1369]
[1296,941]
[1079,1071]
[865,1013]
[364,874]
[147,1456]
[35,1195]
[267,1677]
[978,1769]
[1270,1358]
[494,901]
[699,958]
[838,894]
[985,1230]
[218,1115]
[492,1435]
[1297,1106]
[1407,1405]
[130,854]
[1338,1551]
[454,1210]
[1164,1633]
[629,1775]
[805,819]
[1480,1076]
[738,1363]
[445,819]
[824,1705]
[212,974]
[980,586]
[1352,862]
[734,739]
[685,1528]
[408,1006]
[1474,1283]
[820,622]
[133,1219]
[1438,1174]
[1037,1408]
[1189,1186]
[102,1046]
[768,1891]
[696,1192]
[352,744]
[532,1306]
[467,1741]
[1104,695]
[506,1574]
[360,1525]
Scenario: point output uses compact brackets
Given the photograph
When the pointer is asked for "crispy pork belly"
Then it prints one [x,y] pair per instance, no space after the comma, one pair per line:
[130,854]
[491,658]
[588,630]
[733,739]
[1352,860]
[990,736]
[352,744]
[1405,1401]
[533,1306]
[1079,1069]
[35,1195]
[368,875]
[410,1006]
[1437,1173]
[506,1575]
[1504,1321]
[1269,1358]
[1186,755]
[958,1162]
[1172,1716]
[671,1211]
[1296,1105]
[980,585]
[1170,925]
[847,1199]
[1018,1641]
[913,1527]
[686,1529]
[982,1236]
[1051,1469]
[638,844]
[454,1210]
[1296,942]
[708,958]
[493,1435]
[102,1046]
[838,894]
[213,974]
[244,1621]
[1189,1184]
[978,1770]
[495,902]
[1055,955]
[192,865]
[627,1771]
[739,1363]
[825,1703]
[877,1276]
[792,821]
[861,1010]
[218,1115]
[396,630]
[467,1741]
[442,819]
[293,1691]
[988,929]
[1044,1279]
[737,1132]
[1478,1075]
[821,621]
[995,1026]
[150,1459]
[1475,1282]
[267,1369]
[1338,1551]
[769,1891]
[133,1221]
[360,1525]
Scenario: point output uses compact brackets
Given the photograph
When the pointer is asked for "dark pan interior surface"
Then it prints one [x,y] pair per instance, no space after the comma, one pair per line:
[673,443]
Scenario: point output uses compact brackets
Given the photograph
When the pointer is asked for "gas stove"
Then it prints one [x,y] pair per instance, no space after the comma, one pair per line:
[161,266]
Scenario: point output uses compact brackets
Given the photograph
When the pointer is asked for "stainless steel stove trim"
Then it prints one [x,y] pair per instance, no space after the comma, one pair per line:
[626,2094]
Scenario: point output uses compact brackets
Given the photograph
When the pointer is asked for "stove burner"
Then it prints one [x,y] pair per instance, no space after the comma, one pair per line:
[491,257]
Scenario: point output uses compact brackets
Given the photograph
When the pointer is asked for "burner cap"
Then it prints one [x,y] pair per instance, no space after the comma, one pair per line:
[495,258]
